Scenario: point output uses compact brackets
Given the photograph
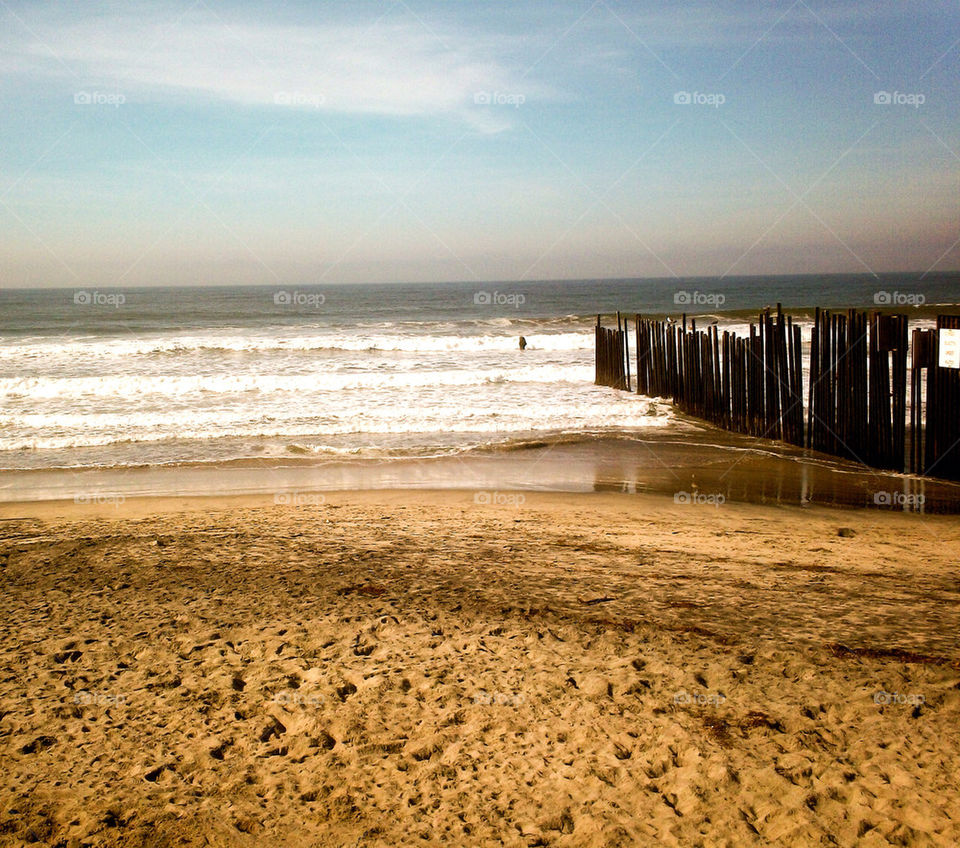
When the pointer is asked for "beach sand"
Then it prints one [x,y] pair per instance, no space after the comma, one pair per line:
[414,668]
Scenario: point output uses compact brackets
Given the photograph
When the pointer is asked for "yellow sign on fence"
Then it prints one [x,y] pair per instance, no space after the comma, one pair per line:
[949,349]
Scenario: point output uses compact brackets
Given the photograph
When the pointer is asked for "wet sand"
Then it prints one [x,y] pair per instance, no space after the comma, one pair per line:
[412,668]
[698,459]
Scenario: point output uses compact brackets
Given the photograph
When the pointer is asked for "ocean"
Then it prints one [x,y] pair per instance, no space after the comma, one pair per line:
[123,378]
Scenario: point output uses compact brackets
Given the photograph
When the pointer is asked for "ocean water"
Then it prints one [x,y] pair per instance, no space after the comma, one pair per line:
[140,377]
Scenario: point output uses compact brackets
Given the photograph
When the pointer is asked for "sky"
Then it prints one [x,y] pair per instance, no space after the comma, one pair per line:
[201,142]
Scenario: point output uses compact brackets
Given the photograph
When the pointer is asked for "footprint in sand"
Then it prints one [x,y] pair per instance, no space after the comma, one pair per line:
[345,691]
[274,728]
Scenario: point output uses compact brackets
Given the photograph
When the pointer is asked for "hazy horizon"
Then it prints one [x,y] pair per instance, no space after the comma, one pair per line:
[916,275]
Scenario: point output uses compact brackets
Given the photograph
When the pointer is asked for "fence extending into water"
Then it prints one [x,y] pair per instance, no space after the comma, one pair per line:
[856,397]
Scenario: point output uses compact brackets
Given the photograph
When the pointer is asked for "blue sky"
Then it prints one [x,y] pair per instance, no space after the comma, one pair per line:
[201,142]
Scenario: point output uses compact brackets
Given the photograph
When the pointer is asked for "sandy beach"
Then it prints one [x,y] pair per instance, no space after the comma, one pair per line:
[415,668]
[479,424]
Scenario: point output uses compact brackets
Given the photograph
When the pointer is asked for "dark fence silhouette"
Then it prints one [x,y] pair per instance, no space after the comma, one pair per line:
[749,385]
[857,403]
[613,356]
[936,428]
[857,392]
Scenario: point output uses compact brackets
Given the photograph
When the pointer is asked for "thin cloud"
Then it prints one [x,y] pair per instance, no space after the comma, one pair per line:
[398,68]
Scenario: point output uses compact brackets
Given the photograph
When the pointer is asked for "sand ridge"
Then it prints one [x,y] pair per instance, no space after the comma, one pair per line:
[413,669]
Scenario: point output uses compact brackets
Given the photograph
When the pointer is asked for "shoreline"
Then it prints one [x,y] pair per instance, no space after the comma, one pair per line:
[701,463]
[605,499]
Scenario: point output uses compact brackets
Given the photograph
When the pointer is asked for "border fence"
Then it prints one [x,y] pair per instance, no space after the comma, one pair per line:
[856,397]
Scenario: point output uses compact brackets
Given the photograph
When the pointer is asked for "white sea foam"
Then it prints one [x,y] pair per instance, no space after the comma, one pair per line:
[365,426]
[173,395]
[141,386]
[195,375]
[71,347]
